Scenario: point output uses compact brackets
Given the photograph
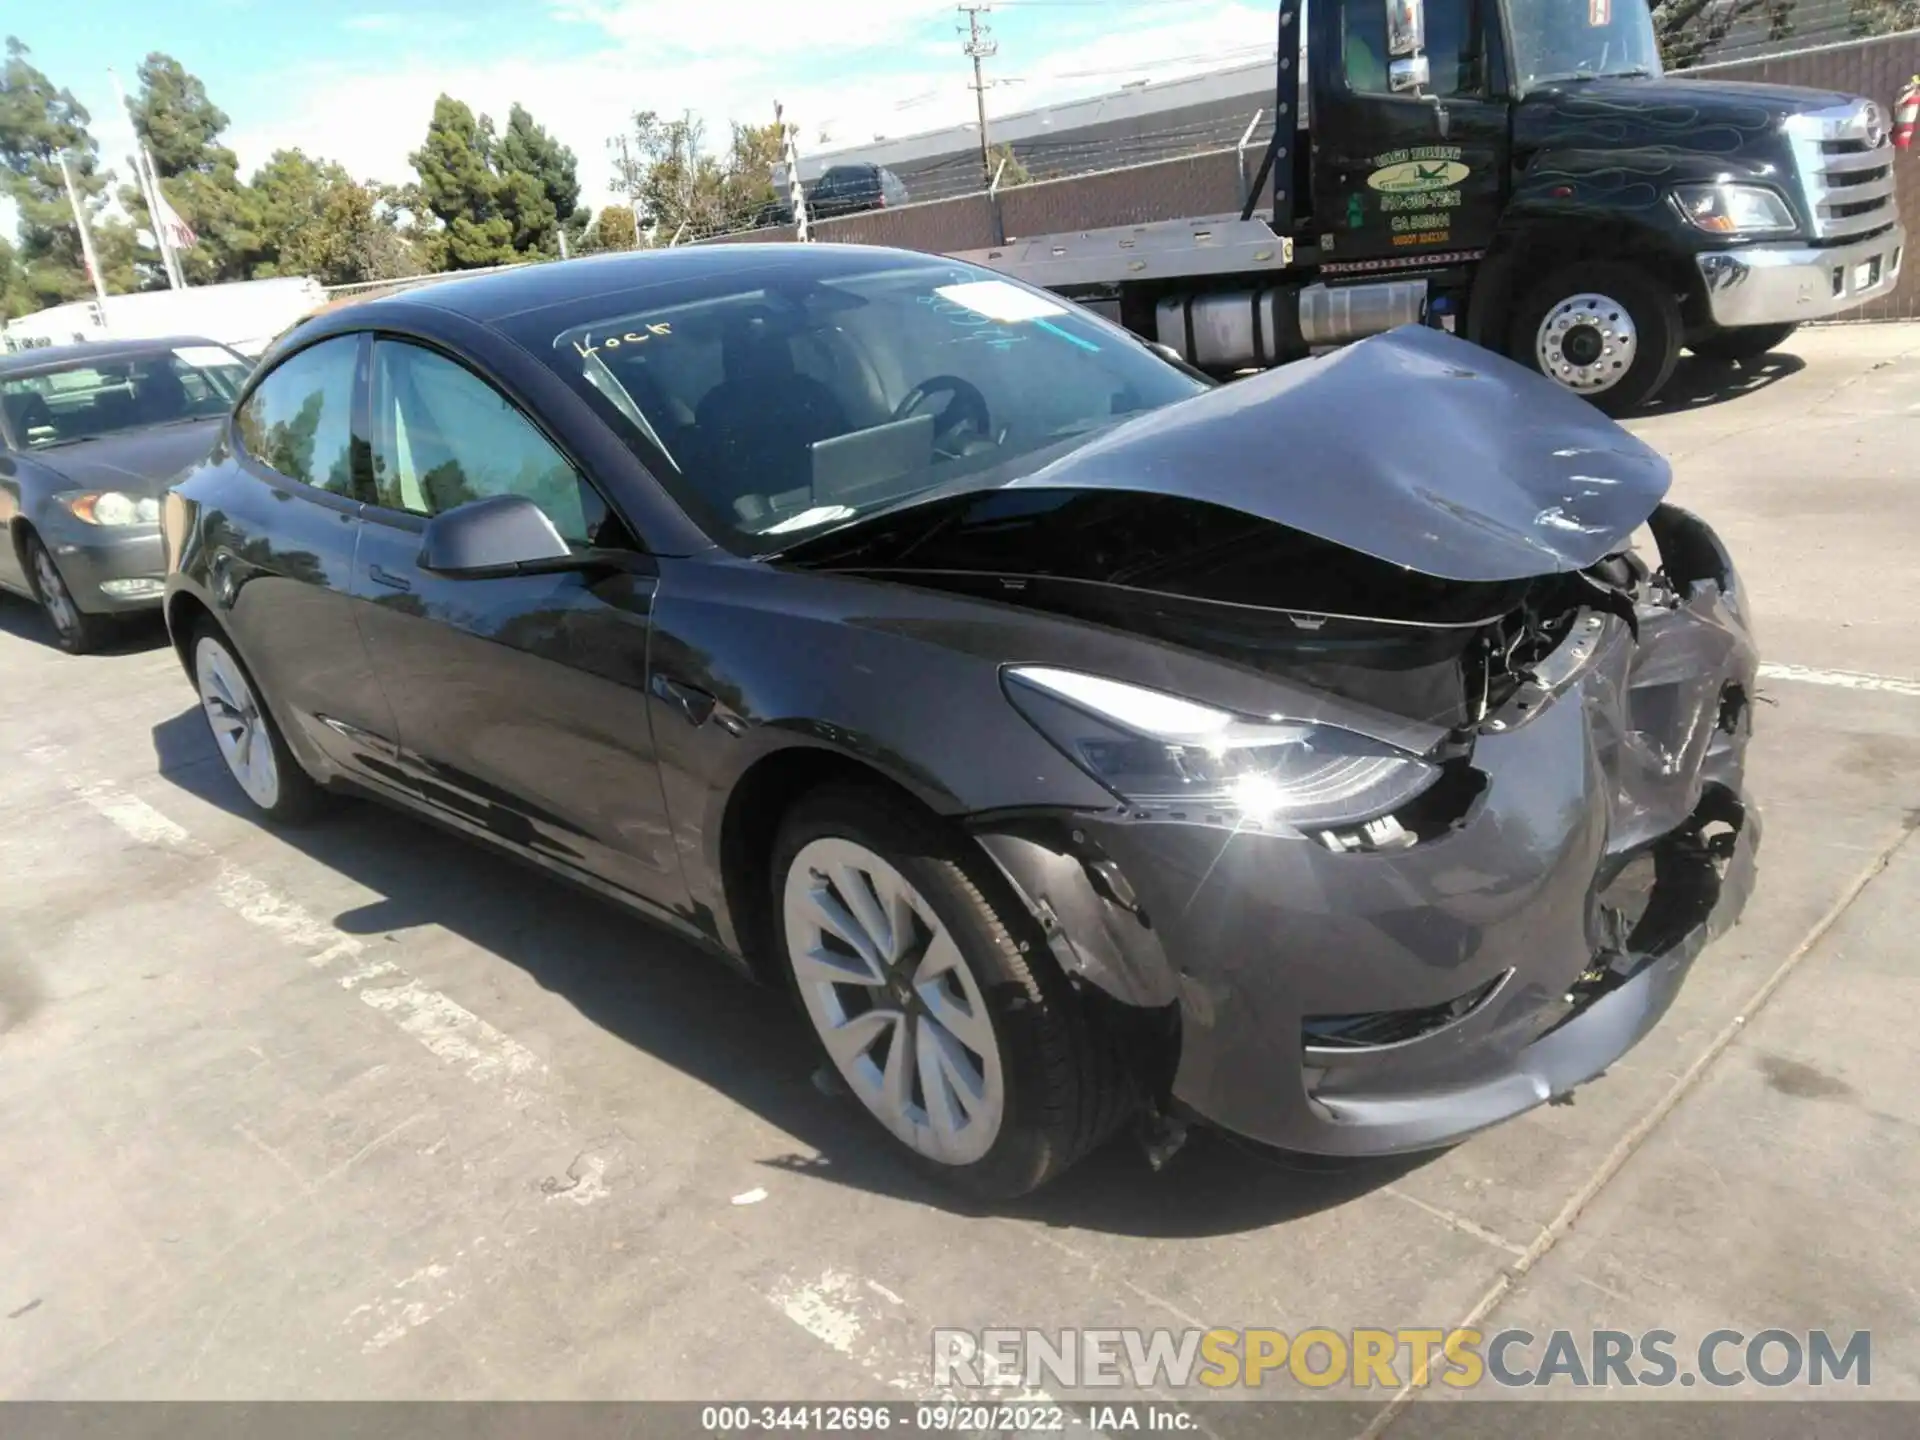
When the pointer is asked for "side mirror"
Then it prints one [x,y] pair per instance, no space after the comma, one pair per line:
[1411,73]
[1406,27]
[500,535]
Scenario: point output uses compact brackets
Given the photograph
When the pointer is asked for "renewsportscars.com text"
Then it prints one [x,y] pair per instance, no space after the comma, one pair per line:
[1369,1359]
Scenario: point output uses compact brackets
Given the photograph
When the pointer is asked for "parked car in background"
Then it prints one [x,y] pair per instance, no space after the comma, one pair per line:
[89,436]
[1313,755]
[849,189]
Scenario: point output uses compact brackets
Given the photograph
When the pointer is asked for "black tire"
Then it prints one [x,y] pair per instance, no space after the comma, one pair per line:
[74,630]
[1065,1088]
[1637,298]
[296,798]
[1742,342]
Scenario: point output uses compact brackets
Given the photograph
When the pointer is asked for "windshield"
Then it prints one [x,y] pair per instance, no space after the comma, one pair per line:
[89,398]
[1581,39]
[782,407]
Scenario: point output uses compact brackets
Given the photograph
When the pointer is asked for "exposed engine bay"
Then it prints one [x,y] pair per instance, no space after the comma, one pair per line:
[1250,591]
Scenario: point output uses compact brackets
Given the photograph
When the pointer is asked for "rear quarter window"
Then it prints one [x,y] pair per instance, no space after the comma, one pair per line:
[298,421]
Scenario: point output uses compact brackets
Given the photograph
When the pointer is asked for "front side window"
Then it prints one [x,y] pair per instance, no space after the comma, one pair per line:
[443,436]
[83,401]
[777,401]
[299,419]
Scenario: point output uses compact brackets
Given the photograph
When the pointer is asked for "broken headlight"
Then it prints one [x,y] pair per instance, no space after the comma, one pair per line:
[1153,748]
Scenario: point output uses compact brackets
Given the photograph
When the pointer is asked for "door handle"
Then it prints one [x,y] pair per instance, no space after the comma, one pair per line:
[691,701]
[382,576]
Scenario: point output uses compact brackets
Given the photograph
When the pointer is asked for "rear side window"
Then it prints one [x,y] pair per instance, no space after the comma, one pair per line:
[299,419]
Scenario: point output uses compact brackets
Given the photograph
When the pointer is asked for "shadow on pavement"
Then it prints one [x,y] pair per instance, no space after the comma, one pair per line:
[1698,383]
[133,636]
[686,1007]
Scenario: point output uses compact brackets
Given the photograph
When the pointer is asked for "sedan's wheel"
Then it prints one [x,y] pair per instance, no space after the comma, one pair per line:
[967,1044]
[74,630]
[889,992]
[1608,332]
[248,740]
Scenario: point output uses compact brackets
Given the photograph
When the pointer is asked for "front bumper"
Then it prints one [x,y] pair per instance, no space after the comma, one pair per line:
[111,571]
[1781,284]
[1368,1002]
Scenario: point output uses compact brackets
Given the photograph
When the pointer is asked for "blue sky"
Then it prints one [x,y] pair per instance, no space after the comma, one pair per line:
[356,81]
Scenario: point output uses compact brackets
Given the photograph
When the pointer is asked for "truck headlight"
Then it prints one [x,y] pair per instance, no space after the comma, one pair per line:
[112,509]
[1150,747]
[1734,209]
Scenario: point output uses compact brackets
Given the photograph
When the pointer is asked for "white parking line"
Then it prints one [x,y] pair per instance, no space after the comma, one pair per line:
[1842,679]
[446,1028]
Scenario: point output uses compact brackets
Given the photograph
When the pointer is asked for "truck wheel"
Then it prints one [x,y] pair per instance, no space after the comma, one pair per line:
[1742,342]
[1605,331]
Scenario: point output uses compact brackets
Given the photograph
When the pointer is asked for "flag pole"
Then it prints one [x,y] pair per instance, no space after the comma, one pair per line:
[149,185]
[86,238]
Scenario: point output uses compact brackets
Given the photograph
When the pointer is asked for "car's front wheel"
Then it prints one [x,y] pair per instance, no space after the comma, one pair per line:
[244,731]
[940,1007]
[74,630]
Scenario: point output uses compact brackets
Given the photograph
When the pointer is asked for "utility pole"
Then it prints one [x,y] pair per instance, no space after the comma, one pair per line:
[979,46]
[790,157]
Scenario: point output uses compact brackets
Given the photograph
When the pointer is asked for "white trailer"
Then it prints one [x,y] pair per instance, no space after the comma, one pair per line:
[245,314]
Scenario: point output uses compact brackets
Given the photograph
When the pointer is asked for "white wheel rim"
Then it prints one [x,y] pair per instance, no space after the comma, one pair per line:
[238,723]
[1588,343]
[894,1000]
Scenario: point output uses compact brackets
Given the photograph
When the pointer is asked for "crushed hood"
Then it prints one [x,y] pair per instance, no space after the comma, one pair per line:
[134,462]
[1412,447]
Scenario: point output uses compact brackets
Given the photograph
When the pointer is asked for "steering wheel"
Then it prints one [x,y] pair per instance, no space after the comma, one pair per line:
[964,403]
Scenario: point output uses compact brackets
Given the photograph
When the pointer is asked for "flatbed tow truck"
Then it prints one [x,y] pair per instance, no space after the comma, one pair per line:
[1520,172]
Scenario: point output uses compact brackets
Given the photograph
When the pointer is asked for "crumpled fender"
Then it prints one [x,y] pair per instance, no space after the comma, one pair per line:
[1092,922]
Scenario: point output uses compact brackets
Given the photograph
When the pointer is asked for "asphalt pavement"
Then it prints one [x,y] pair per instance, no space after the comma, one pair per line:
[361,1111]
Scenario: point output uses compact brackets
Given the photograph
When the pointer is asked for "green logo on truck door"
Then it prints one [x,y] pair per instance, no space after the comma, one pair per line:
[1408,177]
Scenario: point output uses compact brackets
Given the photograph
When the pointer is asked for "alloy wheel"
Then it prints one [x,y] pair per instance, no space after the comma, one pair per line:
[1588,343]
[55,598]
[238,722]
[893,999]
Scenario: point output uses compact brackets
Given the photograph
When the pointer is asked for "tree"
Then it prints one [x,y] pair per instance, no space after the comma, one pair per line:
[289,194]
[612,229]
[351,239]
[1014,172]
[540,189]
[38,124]
[1689,29]
[1884,17]
[199,177]
[683,192]
[459,187]
[14,298]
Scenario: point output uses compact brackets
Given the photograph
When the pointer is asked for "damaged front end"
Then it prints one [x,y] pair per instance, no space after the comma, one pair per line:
[1488,807]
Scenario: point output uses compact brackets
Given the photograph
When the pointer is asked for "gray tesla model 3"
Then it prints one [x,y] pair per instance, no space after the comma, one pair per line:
[1317,756]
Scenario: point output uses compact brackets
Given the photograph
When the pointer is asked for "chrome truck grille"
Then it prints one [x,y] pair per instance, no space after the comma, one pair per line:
[1845,159]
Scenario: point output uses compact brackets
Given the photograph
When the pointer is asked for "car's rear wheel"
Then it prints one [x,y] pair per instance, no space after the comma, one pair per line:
[938,1008]
[249,741]
[1740,342]
[74,630]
